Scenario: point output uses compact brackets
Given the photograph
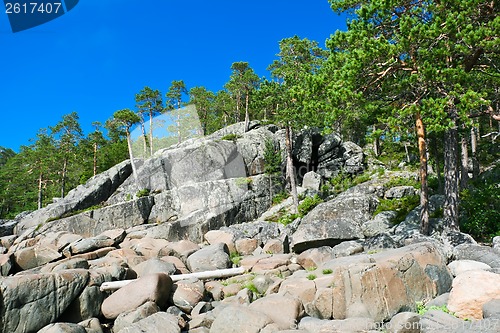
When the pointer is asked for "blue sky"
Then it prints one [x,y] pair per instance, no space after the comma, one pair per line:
[95,58]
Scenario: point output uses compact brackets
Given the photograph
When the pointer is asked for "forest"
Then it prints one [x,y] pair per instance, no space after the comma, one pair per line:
[407,78]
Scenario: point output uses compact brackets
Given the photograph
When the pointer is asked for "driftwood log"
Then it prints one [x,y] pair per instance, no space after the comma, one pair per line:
[217,274]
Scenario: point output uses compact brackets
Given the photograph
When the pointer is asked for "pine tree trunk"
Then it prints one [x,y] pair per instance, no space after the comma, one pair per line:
[134,170]
[424,190]
[40,188]
[437,166]
[145,146]
[95,159]
[247,116]
[475,161]
[63,180]
[290,170]
[464,174]
[451,178]
[151,133]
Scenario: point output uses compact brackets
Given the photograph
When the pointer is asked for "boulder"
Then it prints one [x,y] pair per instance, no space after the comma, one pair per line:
[491,310]
[484,254]
[283,310]
[471,290]
[377,286]
[63,328]
[159,322]
[381,223]
[404,322]
[128,318]
[35,256]
[312,181]
[187,294]
[31,302]
[220,236]
[251,146]
[399,192]
[154,265]
[6,264]
[234,319]
[335,221]
[349,325]
[209,258]
[154,287]
[459,266]
[7,227]
[246,246]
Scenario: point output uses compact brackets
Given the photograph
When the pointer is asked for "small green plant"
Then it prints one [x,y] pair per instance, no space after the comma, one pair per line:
[312,268]
[401,181]
[244,181]
[235,258]
[143,193]
[287,219]
[128,197]
[231,137]
[402,206]
[327,271]
[308,204]
[311,277]
[280,197]
[422,309]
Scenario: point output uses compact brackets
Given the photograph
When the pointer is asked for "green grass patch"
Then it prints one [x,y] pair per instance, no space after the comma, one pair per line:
[311,277]
[327,271]
[402,206]
[231,137]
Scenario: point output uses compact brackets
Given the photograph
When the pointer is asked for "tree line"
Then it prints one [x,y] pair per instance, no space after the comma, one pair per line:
[423,73]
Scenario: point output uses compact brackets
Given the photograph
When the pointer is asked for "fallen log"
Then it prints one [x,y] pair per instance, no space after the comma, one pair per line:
[217,274]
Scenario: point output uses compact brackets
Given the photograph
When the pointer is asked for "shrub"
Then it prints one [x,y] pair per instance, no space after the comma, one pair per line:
[280,197]
[402,206]
[272,158]
[480,214]
[327,271]
[308,204]
[400,181]
[287,219]
[231,137]
[311,277]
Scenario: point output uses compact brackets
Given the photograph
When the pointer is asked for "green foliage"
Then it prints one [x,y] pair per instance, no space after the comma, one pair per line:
[422,309]
[287,219]
[311,277]
[231,137]
[327,271]
[145,192]
[342,181]
[480,214]
[272,158]
[235,258]
[402,206]
[280,197]
[401,181]
[308,204]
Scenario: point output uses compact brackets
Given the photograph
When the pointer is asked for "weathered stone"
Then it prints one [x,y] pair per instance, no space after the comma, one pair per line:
[159,322]
[470,291]
[491,309]
[350,325]
[184,248]
[154,287]
[91,244]
[282,309]
[239,319]
[6,264]
[459,266]
[70,263]
[180,267]
[496,243]
[273,246]
[404,322]
[117,235]
[354,158]
[315,257]
[379,286]
[441,300]
[335,221]
[439,321]
[35,256]
[33,301]
[92,325]
[7,227]
[128,318]
[219,236]
[63,328]
[270,263]
[154,265]
[246,246]
[399,192]
[484,254]
[312,181]
[381,223]
[148,247]
[209,258]
[381,241]
[347,248]
[187,293]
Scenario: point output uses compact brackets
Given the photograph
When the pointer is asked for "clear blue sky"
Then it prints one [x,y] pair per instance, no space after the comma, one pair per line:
[95,58]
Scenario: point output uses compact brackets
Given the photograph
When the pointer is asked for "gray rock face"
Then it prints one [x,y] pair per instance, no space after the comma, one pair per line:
[312,181]
[398,192]
[335,221]
[31,302]
[63,328]
[484,254]
[7,227]
[239,319]
[97,190]
[128,318]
